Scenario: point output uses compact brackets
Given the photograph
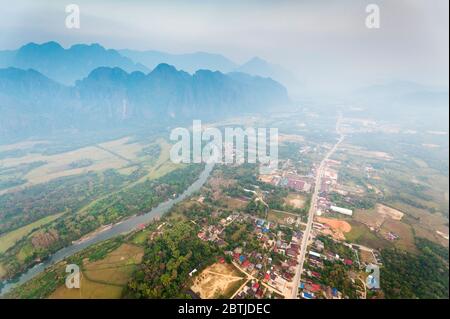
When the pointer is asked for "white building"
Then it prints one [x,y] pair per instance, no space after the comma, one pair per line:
[313,253]
[341,210]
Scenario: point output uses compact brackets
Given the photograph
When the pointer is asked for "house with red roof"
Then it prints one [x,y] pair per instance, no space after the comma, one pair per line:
[348,262]
[314,287]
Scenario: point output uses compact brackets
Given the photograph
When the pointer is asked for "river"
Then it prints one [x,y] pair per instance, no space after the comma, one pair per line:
[117,229]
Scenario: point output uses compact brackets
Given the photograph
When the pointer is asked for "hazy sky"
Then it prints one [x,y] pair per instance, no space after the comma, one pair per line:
[324,42]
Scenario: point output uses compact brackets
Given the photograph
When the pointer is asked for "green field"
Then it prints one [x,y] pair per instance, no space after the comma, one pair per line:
[360,234]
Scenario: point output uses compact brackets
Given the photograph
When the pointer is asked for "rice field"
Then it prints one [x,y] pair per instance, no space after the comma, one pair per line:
[120,154]
[105,278]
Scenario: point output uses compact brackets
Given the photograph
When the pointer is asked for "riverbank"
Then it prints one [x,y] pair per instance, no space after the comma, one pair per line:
[115,230]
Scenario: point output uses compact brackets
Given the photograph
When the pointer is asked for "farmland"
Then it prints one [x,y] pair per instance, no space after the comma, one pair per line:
[66,208]
[117,154]
[104,278]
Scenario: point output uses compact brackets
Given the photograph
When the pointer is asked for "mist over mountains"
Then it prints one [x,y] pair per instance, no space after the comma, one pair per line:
[66,65]
[109,97]
[76,62]
[45,88]
[190,62]
[420,106]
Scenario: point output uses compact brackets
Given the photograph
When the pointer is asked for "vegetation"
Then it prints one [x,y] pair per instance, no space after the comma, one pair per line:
[9,239]
[42,286]
[14,176]
[335,274]
[337,248]
[365,202]
[137,199]
[63,194]
[424,275]
[168,260]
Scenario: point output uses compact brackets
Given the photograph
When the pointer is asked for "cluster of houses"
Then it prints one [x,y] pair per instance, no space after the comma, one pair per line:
[329,183]
[310,290]
[287,177]
[253,290]
[260,264]
[330,176]
[212,232]
[291,181]
[325,205]
[310,287]
[252,262]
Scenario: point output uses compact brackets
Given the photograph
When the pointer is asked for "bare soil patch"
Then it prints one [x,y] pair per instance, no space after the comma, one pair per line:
[295,200]
[389,212]
[218,280]
[337,227]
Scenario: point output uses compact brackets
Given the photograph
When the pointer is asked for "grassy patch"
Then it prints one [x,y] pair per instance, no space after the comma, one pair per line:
[9,239]
[88,290]
[360,234]
[25,252]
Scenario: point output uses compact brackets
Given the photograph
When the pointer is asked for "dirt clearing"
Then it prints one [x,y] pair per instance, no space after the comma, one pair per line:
[295,200]
[337,227]
[218,280]
[389,212]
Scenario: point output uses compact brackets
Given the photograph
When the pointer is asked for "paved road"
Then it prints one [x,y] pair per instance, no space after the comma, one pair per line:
[312,211]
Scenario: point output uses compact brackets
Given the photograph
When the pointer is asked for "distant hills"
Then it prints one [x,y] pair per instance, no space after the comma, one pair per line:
[407,102]
[403,94]
[257,66]
[31,103]
[190,62]
[66,65]
[168,92]
[76,62]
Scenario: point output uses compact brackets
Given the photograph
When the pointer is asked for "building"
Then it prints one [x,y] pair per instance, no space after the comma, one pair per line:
[341,210]
[298,185]
[307,295]
[319,245]
[192,272]
[313,253]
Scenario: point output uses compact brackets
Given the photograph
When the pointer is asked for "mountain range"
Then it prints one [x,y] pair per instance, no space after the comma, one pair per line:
[32,103]
[76,62]
[66,65]
[192,62]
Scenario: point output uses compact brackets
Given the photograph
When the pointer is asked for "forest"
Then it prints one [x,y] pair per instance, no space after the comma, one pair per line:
[168,260]
[424,275]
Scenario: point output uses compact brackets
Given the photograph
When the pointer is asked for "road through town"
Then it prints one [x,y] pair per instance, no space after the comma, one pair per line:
[312,211]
